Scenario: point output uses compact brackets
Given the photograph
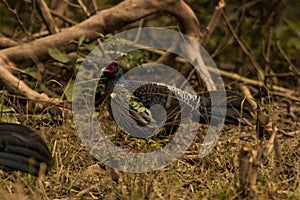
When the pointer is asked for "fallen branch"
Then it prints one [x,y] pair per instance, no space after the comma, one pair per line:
[19,86]
[105,21]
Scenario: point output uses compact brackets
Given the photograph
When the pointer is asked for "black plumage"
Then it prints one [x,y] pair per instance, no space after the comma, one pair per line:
[172,99]
[22,149]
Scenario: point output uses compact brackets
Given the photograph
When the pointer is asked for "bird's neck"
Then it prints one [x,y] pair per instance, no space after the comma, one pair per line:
[110,84]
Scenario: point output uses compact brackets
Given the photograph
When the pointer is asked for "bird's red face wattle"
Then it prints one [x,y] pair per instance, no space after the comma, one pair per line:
[111,71]
[111,68]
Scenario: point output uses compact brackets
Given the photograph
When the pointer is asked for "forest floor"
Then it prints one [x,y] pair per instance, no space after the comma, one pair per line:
[240,166]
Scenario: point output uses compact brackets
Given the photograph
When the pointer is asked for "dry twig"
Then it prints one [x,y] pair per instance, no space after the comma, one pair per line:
[46,14]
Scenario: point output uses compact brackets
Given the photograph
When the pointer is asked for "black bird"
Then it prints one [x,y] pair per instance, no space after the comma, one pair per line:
[24,150]
[147,94]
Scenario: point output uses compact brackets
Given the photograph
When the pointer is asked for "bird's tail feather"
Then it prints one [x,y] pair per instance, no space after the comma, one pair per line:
[237,107]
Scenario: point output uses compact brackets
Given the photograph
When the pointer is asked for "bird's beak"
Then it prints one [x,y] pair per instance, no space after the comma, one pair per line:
[101,73]
[103,70]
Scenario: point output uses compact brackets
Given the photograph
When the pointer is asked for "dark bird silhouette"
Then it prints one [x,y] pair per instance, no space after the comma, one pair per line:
[172,99]
[22,149]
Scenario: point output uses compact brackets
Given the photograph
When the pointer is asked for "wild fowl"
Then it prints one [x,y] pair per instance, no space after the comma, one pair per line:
[172,99]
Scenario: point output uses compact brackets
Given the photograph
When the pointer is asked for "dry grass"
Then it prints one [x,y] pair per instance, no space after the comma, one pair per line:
[77,175]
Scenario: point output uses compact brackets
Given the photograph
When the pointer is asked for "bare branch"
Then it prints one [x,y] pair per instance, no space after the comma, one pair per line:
[47,16]
[18,85]
[7,42]
[105,22]
[213,22]
[14,12]
[246,50]
[64,18]
[84,8]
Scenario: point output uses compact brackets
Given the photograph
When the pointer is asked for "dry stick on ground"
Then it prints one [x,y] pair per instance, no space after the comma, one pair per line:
[251,159]
[103,22]
[277,89]
[246,92]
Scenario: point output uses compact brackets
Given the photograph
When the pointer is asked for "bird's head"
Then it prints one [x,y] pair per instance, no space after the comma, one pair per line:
[111,75]
[112,71]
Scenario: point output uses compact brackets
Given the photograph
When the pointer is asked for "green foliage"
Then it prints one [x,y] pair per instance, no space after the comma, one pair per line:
[136,105]
[84,46]
[68,90]
[58,55]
